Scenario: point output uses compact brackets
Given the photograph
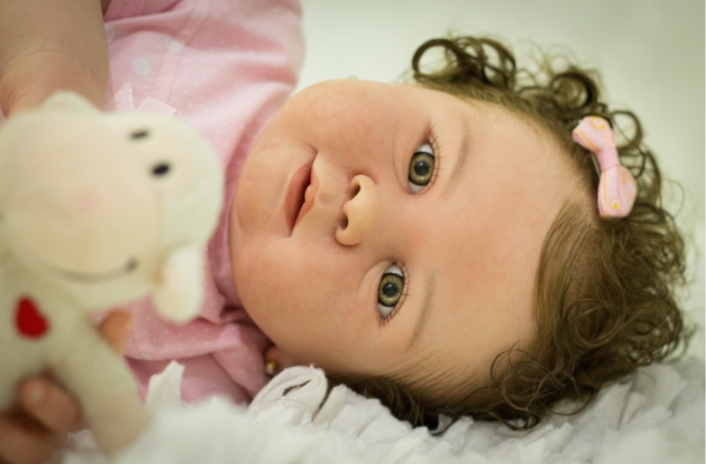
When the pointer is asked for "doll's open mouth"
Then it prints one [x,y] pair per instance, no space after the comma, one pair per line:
[94,277]
[309,196]
[296,201]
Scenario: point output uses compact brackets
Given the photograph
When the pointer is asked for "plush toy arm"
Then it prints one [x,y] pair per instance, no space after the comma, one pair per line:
[103,383]
[178,293]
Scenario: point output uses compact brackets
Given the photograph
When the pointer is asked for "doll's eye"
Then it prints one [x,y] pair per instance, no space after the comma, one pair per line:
[421,168]
[390,290]
[161,169]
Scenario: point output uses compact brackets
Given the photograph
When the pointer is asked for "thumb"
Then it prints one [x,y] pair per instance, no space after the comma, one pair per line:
[115,328]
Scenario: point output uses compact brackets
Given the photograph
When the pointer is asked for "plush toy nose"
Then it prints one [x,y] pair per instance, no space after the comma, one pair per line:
[95,227]
[88,202]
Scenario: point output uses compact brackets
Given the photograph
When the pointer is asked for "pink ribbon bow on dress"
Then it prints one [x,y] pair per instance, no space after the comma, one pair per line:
[617,189]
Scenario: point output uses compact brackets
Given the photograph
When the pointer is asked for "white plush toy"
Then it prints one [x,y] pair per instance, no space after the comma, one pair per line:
[96,209]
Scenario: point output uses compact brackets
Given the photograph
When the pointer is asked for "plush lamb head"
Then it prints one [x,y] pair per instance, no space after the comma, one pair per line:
[96,209]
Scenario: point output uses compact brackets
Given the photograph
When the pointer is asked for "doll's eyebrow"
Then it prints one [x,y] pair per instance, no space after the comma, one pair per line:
[429,290]
[461,158]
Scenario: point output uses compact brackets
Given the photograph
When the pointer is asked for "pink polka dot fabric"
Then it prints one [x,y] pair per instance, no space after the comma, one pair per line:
[224,66]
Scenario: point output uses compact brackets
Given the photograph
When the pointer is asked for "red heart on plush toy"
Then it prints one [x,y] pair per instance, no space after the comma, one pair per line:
[30,321]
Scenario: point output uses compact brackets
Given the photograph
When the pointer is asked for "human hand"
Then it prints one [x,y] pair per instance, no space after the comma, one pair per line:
[47,46]
[30,79]
[37,424]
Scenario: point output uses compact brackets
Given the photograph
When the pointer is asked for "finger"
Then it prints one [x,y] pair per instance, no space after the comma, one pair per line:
[51,406]
[115,328]
[22,444]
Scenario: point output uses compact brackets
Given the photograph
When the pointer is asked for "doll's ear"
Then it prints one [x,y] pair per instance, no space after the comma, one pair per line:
[281,359]
[68,101]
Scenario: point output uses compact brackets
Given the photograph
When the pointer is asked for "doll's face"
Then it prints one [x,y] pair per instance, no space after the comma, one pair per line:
[417,245]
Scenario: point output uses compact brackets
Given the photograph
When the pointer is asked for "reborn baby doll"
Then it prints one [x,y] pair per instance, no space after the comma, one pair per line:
[332,239]
[96,210]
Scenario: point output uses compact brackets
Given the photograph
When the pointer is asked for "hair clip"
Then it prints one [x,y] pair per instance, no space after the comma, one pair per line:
[617,188]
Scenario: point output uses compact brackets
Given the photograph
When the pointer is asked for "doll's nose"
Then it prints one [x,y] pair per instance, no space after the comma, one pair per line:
[361,212]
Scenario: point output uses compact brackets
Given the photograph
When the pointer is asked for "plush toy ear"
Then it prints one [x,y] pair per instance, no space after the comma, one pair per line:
[178,293]
[68,101]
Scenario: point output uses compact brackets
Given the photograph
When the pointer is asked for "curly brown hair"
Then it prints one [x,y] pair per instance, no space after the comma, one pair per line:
[604,292]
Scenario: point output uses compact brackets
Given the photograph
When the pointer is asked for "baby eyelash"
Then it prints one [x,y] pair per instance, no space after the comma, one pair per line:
[438,159]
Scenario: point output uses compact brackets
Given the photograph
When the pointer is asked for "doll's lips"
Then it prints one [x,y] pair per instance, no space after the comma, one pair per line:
[296,199]
[309,196]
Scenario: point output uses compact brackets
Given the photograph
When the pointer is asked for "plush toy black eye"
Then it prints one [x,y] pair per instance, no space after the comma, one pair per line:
[139,134]
[131,265]
[160,169]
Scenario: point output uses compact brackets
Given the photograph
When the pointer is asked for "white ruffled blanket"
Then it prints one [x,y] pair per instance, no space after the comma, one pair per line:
[654,416]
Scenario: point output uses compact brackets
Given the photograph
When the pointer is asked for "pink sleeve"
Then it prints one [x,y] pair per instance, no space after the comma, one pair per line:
[224,66]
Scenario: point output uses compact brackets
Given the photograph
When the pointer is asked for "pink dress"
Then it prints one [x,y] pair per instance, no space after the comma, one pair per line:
[225,66]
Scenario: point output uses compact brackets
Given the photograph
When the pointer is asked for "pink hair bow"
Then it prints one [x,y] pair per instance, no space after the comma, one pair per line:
[617,188]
